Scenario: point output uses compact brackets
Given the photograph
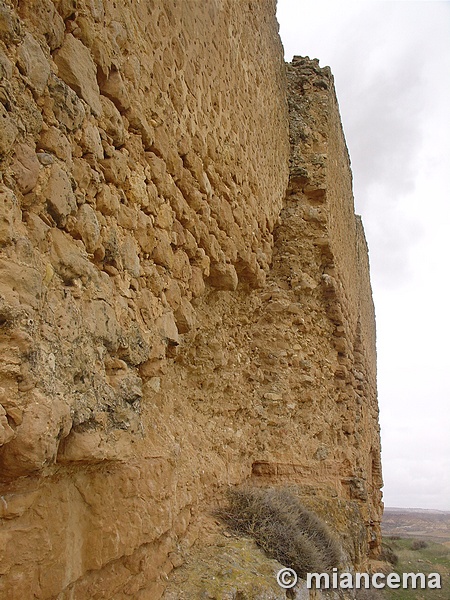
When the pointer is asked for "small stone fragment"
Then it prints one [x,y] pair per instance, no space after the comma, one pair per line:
[223,276]
[67,106]
[8,131]
[25,168]
[113,87]
[33,63]
[111,121]
[185,316]
[87,227]
[53,140]
[45,159]
[60,197]
[130,257]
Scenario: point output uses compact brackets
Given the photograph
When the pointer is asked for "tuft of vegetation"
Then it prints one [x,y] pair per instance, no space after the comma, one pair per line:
[368,594]
[283,528]
[418,545]
[388,554]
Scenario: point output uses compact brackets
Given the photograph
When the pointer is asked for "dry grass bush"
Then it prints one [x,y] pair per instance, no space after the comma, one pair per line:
[418,545]
[283,528]
[388,554]
[369,594]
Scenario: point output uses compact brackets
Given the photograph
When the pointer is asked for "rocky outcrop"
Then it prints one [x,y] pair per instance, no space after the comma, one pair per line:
[172,320]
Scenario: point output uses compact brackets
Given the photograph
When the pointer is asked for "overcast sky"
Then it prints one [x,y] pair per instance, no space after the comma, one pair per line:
[391,64]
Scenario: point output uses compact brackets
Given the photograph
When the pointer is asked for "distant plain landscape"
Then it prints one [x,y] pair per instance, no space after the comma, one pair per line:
[420,539]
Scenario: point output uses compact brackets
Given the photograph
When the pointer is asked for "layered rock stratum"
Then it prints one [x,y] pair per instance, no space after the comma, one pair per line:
[185,300]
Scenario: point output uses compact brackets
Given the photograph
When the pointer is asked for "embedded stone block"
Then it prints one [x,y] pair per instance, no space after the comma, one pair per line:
[77,68]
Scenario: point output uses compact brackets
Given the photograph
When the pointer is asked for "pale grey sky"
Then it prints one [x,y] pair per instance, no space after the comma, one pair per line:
[391,63]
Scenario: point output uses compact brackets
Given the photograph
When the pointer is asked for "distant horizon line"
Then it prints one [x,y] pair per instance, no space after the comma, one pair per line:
[416,509]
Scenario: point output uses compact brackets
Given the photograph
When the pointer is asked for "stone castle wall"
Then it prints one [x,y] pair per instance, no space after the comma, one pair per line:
[171,322]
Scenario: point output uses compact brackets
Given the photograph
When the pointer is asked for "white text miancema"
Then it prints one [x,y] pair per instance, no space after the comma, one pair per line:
[357,581]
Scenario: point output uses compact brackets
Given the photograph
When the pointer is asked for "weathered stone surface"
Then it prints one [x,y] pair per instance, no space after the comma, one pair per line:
[108,201]
[115,168]
[10,215]
[93,447]
[197,283]
[145,233]
[8,131]
[114,88]
[33,63]
[101,321]
[36,439]
[237,568]
[10,29]
[6,66]
[130,258]
[91,141]
[161,293]
[20,284]
[53,140]
[184,316]
[167,328]
[89,182]
[25,167]
[6,432]
[68,259]
[223,276]
[163,253]
[45,19]
[59,195]
[87,227]
[67,106]
[77,69]
[111,121]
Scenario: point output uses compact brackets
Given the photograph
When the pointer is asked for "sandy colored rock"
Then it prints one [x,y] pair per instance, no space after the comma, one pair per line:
[223,276]
[111,121]
[59,195]
[33,63]
[107,200]
[87,227]
[91,141]
[6,66]
[67,106]
[20,284]
[25,167]
[43,17]
[10,29]
[93,447]
[184,316]
[68,259]
[178,313]
[53,140]
[36,439]
[167,328]
[8,131]
[130,257]
[77,69]
[6,432]
[114,88]
[115,168]
[10,215]
[236,569]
